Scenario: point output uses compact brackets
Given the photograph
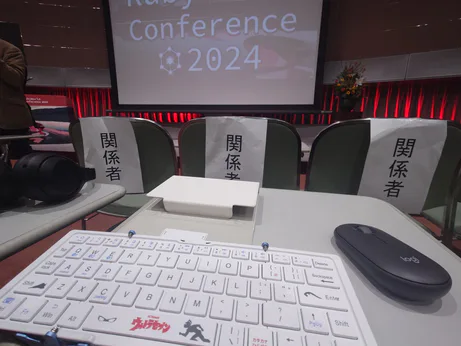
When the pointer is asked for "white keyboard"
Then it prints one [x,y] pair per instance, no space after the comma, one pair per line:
[108,289]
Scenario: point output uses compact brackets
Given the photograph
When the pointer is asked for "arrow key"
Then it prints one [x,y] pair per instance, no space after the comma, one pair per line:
[289,339]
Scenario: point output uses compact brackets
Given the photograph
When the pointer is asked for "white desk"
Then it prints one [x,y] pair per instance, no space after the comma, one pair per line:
[26,225]
[306,221]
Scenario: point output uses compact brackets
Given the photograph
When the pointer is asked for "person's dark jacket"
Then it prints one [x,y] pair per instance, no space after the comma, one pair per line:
[14,111]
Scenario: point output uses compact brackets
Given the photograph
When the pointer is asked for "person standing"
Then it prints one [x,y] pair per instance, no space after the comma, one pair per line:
[15,114]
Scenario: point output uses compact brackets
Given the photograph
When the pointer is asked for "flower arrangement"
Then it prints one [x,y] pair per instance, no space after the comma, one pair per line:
[349,82]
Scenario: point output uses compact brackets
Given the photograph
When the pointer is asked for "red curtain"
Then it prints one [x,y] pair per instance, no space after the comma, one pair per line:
[432,99]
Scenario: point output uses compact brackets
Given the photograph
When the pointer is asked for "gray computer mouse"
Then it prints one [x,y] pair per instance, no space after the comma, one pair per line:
[392,265]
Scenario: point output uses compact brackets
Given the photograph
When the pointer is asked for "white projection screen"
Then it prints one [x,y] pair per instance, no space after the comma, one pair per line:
[215,54]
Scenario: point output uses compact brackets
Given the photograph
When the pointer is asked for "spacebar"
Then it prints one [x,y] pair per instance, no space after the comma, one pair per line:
[150,325]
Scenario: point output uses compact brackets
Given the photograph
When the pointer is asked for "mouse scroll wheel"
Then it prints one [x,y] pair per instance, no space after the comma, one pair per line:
[364,229]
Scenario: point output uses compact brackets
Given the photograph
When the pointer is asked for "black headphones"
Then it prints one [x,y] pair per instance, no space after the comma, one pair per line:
[44,177]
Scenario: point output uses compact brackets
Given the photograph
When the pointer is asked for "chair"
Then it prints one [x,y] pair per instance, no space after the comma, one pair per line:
[338,157]
[156,155]
[282,162]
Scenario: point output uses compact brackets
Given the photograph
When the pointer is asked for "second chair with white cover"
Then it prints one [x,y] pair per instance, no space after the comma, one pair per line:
[282,157]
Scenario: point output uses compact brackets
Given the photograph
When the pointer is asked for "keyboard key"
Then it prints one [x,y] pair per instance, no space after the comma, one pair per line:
[247,312]
[165,246]
[78,251]
[202,250]
[74,316]
[323,263]
[280,316]
[104,293]
[260,337]
[28,309]
[35,285]
[221,252]
[187,262]
[315,321]
[130,243]
[183,248]
[82,290]
[50,314]
[87,270]
[107,272]
[167,260]
[126,295]
[228,267]
[284,293]
[260,290]
[222,308]
[322,278]
[289,339]
[68,268]
[63,250]
[148,276]
[49,266]
[191,281]
[214,284]
[95,240]
[128,274]
[9,303]
[112,242]
[294,275]
[149,298]
[232,335]
[95,253]
[302,261]
[172,301]
[242,254]
[249,270]
[342,325]
[112,255]
[320,340]
[79,239]
[237,287]
[169,279]
[322,298]
[158,327]
[147,244]
[197,305]
[272,272]
[281,258]
[148,258]
[260,256]
[60,288]
[208,265]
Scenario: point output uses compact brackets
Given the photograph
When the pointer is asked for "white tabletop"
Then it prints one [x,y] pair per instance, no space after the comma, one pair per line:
[306,221]
[26,225]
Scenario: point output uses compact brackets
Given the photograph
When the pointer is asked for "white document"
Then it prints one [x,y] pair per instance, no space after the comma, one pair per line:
[235,148]
[401,161]
[110,147]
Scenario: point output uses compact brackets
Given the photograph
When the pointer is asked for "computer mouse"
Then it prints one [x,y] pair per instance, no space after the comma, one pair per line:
[392,265]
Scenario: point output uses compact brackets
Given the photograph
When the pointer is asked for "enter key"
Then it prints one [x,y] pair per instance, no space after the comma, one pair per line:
[322,298]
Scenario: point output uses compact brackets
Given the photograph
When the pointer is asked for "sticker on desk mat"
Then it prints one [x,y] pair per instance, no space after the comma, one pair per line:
[187,236]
